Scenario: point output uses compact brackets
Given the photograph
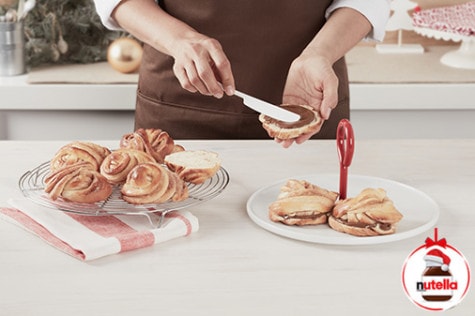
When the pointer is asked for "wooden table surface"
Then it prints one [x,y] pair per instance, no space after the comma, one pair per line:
[232,266]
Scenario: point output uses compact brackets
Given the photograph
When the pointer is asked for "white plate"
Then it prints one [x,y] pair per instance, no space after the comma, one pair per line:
[419,210]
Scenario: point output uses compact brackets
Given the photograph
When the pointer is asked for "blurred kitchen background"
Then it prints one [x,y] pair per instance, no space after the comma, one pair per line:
[72,89]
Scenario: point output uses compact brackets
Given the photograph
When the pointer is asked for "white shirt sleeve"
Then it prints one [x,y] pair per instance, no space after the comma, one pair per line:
[376,11]
[104,9]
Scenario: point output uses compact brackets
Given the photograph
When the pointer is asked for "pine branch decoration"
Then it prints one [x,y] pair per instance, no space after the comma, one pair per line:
[66,31]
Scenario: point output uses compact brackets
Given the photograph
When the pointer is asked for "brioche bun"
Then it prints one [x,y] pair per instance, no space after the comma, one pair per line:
[309,122]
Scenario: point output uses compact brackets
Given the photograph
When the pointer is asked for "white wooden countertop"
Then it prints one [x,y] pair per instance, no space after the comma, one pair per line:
[231,266]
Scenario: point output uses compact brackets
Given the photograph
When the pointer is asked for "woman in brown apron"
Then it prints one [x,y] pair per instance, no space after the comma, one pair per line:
[269,49]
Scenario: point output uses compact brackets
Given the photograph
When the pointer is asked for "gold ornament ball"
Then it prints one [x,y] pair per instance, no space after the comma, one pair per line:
[125,55]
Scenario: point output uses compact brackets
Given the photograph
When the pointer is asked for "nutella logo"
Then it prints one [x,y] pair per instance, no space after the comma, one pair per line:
[433,284]
[436,276]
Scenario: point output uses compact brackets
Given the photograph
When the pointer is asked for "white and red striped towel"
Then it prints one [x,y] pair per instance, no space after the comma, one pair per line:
[93,237]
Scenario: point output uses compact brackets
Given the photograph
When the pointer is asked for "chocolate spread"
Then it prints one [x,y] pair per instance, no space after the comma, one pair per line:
[306,216]
[382,226]
[306,117]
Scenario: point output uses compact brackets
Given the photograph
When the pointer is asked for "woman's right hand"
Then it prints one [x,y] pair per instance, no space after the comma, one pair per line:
[202,66]
[200,62]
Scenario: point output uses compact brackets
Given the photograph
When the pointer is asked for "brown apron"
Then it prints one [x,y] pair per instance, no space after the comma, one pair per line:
[261,39]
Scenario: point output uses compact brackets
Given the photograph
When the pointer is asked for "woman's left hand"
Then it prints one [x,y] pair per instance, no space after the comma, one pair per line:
[311,81]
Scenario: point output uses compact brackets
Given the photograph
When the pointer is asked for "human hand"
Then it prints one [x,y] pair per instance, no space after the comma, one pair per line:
[201,65]
[311,81]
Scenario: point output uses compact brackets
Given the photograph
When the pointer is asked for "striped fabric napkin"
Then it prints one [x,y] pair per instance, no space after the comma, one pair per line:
[93,237]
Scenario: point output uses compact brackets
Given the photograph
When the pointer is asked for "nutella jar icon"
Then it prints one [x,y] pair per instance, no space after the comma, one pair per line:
[427,279]
[437,281]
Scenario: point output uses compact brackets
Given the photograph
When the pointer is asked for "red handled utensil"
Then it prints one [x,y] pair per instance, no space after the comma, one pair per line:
[345,141]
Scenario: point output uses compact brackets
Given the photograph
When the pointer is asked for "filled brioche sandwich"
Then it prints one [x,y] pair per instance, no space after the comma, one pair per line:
[370,213]
[302,203]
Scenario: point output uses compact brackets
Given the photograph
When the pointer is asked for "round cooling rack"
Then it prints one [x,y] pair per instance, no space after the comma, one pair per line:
[32,185]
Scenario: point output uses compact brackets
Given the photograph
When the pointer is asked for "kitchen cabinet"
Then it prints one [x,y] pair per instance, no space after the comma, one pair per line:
[104,111]
[64,111]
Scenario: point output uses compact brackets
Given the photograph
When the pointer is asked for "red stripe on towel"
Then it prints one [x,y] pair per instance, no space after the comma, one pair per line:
[110,226]
[42,232]
[186,221]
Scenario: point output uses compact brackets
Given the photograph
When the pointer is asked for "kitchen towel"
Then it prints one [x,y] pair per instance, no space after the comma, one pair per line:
[92,237]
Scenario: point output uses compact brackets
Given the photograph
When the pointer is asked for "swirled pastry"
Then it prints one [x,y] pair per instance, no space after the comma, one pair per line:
[78,152]
[77,183]
[152,183]
[155,142]
[302,203]
[309,122]
[194,166]
[370,213]
[117,165]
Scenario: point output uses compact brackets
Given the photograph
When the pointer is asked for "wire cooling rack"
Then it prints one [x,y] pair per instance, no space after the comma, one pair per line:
[32,185]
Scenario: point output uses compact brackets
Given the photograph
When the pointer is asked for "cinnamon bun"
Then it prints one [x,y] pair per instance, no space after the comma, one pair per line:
[78,152]
[77,183]
[152,183]
[155,142]
[117,165]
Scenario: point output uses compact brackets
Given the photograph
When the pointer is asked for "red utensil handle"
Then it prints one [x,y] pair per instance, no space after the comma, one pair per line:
[346,145]
[343,182]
